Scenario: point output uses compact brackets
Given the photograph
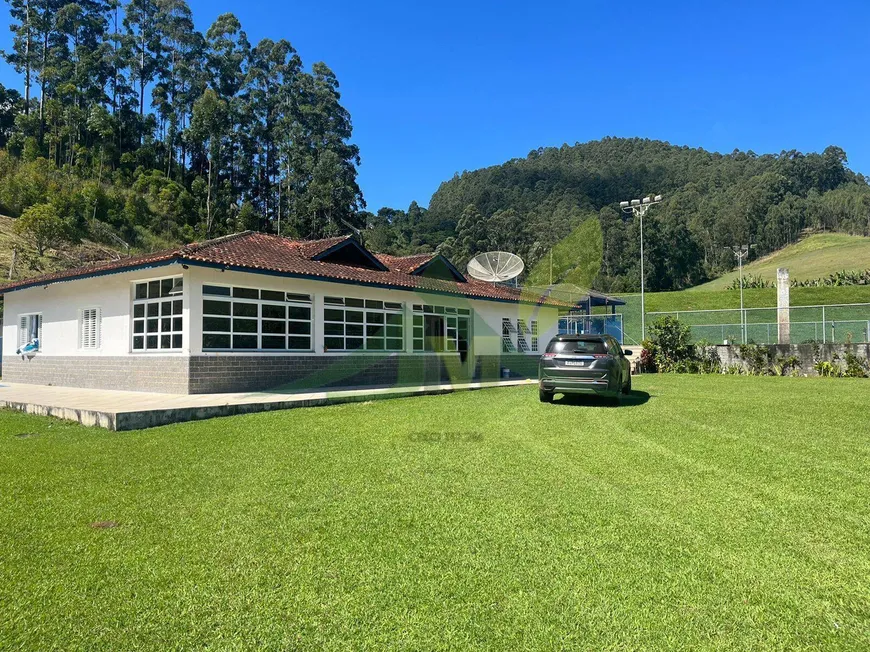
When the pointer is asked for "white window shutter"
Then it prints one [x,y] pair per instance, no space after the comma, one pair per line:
[90,329]
[22,330]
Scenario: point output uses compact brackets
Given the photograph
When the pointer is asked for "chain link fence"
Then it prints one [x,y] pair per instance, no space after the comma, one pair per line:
[838,323]
[593,325]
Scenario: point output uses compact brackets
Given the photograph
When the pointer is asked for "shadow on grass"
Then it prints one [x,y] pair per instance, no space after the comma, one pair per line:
[634,397]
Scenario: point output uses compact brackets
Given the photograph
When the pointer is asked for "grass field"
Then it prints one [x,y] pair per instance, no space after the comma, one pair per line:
[814,257]
[710,512]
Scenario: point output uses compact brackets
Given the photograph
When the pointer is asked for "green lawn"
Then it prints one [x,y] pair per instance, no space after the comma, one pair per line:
[714,512]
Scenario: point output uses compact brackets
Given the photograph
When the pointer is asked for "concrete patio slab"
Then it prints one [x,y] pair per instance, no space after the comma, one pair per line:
[123,410]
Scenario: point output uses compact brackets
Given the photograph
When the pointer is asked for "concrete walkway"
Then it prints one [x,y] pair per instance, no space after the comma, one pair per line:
[118,410]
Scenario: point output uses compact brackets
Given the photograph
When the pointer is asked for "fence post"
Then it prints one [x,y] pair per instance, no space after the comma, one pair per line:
[824,330]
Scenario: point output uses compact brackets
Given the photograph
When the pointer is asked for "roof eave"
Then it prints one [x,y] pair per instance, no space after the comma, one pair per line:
[42,282]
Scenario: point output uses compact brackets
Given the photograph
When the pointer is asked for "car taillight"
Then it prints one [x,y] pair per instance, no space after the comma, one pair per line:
[601,355]
[549,355]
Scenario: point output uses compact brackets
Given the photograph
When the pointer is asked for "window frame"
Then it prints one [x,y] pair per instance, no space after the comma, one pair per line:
[452,319]
[336,303]
[259,334]
[171,298]
[29,316]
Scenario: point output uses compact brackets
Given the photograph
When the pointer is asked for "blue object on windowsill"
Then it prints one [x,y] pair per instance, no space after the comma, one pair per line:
[31,347]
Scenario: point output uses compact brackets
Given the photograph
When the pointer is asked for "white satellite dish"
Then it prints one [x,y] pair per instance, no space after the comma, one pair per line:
[495,266]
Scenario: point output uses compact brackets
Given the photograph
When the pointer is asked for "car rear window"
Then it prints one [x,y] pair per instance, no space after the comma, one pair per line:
[581,346]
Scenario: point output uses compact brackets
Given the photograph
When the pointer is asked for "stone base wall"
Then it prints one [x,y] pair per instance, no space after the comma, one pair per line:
[807,354]
[213,374]
[134,373]
[229,373]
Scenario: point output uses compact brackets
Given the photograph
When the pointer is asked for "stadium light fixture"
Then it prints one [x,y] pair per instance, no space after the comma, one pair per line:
[639,208]
[741,252]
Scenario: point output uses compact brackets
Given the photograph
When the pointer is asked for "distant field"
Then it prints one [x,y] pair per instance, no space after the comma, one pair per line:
[815,257]
[707,513]
[730,299]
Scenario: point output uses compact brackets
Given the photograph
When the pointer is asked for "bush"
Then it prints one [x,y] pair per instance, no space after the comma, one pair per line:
[41,226]
[756,358]
[827,369]
[751,282]
[670,343]
[670,349]
[855,367]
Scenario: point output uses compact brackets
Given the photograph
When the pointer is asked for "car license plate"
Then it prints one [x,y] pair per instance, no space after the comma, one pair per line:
[573,363]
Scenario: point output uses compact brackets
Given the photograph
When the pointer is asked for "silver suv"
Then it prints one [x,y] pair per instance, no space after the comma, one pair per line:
[584,364]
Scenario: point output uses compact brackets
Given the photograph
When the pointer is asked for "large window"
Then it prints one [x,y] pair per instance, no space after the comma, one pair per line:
[157,314]
[248,319]
[362,324]
[440,328]
[30,331]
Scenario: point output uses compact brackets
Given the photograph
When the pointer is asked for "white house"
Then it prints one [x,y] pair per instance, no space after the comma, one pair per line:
[252,311]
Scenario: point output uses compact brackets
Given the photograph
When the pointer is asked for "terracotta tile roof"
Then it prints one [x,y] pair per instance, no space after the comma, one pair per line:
[407,264]
[260,251]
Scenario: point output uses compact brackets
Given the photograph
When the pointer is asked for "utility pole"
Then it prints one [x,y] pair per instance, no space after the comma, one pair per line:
[639,207]
[741,252]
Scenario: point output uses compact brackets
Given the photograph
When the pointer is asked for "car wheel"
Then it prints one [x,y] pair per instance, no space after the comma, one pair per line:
[626,389]
[546,397]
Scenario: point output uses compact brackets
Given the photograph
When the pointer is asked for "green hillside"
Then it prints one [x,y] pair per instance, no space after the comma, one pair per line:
[29,263]
[814,257]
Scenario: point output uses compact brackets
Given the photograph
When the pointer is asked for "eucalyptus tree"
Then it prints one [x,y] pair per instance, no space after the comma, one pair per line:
[210,125]
[227,55]
[142,24]
[271,91]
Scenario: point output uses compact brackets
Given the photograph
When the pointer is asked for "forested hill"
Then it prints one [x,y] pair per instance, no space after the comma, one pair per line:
[131,127]
[711,201]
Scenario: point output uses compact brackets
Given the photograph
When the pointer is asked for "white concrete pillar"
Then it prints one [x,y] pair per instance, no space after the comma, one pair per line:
[782,305]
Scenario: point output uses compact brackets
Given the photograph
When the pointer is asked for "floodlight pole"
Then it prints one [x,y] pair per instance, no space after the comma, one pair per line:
[741,252]
[639,207]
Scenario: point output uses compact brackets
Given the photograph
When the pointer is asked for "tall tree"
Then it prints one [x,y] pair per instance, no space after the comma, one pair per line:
[209,125]
[141,20]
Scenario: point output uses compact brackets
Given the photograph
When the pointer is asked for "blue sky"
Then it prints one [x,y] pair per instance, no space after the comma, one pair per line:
[437,88]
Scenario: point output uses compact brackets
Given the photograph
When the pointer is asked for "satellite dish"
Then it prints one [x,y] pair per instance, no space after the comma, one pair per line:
[495,266]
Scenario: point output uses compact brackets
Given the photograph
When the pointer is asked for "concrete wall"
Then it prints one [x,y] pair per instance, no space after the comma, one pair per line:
[807,354]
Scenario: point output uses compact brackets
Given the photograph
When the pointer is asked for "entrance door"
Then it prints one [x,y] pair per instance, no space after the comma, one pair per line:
[433,332]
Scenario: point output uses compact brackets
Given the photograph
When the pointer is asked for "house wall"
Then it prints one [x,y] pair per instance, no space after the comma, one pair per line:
[114,366]
[61,362]
[253,371]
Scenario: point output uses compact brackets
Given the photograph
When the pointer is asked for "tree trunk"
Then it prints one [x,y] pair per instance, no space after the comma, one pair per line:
[27,62]
[208,199]
[42,89]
